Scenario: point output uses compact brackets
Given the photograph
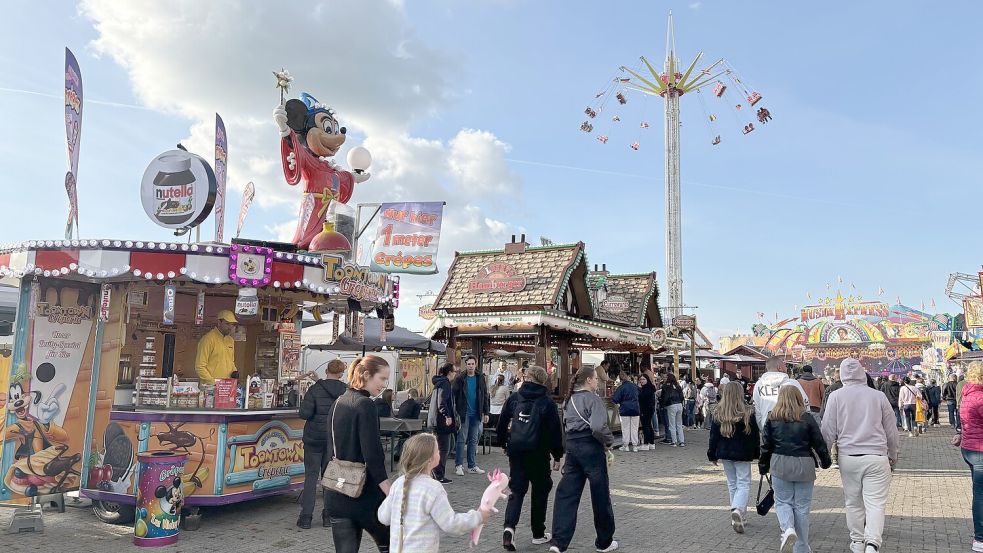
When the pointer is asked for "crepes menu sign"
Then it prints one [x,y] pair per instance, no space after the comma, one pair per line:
[497,278]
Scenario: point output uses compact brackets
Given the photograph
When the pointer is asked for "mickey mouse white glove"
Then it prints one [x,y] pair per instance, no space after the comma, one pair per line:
[361,177]
[292,161]
[280,117]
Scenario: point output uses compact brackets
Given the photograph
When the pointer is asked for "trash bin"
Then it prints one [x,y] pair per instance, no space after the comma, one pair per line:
[160,497]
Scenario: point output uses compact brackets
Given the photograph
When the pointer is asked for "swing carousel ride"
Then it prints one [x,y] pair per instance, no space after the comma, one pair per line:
[609,110]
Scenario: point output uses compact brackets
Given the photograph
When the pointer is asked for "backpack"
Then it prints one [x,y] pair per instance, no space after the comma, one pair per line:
[524,435]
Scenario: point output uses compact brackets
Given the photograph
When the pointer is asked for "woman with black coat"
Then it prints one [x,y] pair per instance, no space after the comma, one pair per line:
[672,399]
[441,418]
[646,401]
[316,410]
[734,440]
[791,441]
[355,433]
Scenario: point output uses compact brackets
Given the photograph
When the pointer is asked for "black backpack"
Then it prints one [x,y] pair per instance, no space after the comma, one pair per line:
[524,426]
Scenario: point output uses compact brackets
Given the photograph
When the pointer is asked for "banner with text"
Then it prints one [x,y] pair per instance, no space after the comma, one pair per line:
[408,236]
[221,171]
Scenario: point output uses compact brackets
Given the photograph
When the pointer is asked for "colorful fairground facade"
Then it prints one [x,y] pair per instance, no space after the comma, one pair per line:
[888,339]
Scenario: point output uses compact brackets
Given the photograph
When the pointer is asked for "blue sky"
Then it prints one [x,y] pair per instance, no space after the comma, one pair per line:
[868,170]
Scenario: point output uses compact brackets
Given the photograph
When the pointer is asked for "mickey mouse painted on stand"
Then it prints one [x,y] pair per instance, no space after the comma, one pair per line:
[311,136]
[171,498]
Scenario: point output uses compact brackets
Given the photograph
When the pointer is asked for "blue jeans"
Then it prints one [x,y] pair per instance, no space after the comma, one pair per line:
[689,416]
[793,501]
[470,432]
[738,483]
[975,461]
[953,414]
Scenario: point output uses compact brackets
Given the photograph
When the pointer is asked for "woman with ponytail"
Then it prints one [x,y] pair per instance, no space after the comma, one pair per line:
[585,420]
[417,510]
[354,427]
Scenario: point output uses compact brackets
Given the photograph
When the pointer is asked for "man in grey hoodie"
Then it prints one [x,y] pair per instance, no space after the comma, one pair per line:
[861,422]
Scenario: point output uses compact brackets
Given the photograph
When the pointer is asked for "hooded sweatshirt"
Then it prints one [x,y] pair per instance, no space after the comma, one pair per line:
[441,406]
[766,394]
[859,419]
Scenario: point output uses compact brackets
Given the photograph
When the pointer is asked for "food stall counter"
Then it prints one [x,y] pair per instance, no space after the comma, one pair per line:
[233,454]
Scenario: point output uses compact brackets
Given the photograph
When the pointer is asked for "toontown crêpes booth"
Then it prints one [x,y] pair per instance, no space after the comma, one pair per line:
[105,356]
[544,299]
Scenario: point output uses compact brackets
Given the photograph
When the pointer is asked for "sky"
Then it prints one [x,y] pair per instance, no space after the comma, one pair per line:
[867,173]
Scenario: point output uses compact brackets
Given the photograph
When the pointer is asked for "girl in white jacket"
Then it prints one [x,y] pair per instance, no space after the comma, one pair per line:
[417,509]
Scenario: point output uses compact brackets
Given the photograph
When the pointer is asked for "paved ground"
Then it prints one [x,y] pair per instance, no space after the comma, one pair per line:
[670,499]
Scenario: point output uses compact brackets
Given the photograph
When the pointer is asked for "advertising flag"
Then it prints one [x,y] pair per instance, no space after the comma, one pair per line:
[407,239]
[221,172]
[247,199]
[73,129]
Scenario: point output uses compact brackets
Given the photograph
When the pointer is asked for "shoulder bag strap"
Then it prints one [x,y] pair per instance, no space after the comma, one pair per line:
[334,439]
[574,403]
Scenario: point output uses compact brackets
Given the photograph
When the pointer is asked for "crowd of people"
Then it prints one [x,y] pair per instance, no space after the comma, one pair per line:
[792,428]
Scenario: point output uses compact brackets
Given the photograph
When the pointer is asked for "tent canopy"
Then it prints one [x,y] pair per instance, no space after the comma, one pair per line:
[319,337]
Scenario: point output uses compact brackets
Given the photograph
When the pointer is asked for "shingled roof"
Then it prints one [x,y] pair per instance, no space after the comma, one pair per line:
[632,300]
[549,271]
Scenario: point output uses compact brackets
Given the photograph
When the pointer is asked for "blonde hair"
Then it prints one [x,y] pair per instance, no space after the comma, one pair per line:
[732,409]
[414,461]
[370,364]
[789,407]
[974,372]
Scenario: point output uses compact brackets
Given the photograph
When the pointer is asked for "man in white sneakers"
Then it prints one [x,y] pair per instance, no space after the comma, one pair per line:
[766,389]
[861,422]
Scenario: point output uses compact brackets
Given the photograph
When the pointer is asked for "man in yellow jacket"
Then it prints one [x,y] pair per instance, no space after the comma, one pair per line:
[216,350]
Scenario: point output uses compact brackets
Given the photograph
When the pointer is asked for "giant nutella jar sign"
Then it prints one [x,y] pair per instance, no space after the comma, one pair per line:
[178,190]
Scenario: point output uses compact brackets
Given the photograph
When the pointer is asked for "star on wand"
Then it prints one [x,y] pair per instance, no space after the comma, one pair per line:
[283,80]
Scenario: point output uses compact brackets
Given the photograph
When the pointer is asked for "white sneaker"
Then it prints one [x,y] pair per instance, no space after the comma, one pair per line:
[475,470]
[788,540]
[545,539]
[737,521]
[555,549]
[612,547]
[459,470]
[871,548]
[978,546]
[857,547]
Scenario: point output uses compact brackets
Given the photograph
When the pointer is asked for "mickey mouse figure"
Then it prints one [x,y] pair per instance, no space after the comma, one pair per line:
[171,498]
[310,137]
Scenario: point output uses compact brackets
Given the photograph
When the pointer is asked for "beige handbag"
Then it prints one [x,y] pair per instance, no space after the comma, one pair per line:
[344,477]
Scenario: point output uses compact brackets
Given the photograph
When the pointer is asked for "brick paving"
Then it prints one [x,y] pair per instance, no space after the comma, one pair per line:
[670,499]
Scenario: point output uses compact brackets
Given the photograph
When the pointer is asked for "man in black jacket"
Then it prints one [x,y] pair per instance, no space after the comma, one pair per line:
[316,410]
[408,410]
[529,449]
[473,407]
[892,390]
[933,393]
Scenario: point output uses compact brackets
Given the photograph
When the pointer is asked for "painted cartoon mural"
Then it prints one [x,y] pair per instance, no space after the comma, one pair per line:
[42,437]
[886,338]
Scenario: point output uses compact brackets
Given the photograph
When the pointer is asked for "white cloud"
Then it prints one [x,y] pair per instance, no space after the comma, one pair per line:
[359,56]
[695,5]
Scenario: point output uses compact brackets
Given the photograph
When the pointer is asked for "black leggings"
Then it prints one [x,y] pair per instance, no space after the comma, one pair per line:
[347,533]
[648,431]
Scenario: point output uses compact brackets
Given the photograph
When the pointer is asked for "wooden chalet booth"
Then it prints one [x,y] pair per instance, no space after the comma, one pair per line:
[544,299]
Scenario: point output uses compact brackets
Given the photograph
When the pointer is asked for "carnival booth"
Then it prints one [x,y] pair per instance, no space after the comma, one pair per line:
[545,300]
[108,364]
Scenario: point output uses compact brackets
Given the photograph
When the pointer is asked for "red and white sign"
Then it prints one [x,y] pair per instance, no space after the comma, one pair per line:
[426,312]
[497,277]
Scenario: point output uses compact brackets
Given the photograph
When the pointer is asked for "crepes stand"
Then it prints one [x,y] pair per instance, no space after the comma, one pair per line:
[104,365]
[544,300]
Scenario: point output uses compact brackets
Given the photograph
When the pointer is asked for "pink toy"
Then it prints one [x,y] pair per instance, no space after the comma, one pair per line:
[495,491]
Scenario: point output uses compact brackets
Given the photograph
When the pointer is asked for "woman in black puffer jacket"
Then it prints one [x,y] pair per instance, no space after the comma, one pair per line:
[734,441]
